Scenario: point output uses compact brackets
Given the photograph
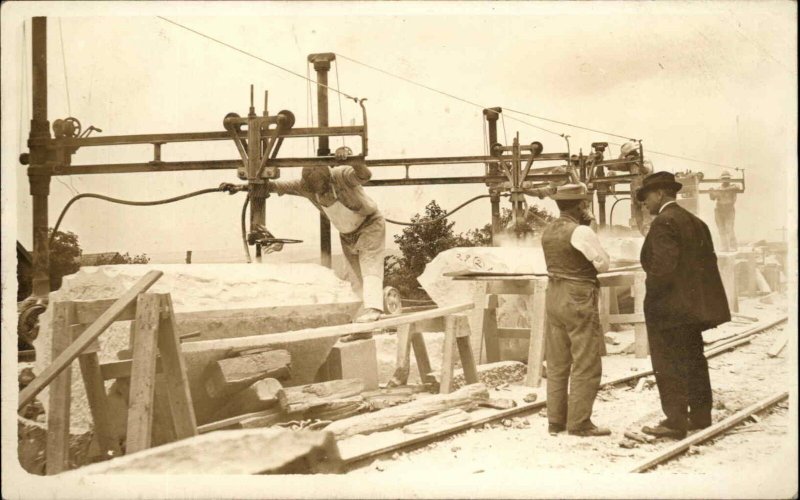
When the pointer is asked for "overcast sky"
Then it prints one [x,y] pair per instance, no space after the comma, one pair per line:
[714,81]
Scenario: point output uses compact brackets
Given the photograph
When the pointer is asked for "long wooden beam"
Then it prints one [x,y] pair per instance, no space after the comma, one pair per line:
[69,354]
[709,432]
[327,331]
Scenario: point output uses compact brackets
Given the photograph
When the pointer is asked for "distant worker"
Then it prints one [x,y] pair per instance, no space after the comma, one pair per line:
[725,212]
[338,193]
[630,151]
[574,256]
[684,296]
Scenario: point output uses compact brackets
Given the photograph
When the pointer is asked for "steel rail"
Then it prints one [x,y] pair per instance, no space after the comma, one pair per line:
[709,432]
[355,461]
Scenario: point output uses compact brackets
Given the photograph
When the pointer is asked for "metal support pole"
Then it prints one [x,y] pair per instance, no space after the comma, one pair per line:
[491,115]
[39,182]
[322,64]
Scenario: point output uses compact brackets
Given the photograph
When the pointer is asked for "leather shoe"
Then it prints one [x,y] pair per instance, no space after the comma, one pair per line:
[368,316]
[663,431]
[556,428]
[592,431]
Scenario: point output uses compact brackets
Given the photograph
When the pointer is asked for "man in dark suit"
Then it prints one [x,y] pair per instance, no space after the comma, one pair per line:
[684,297]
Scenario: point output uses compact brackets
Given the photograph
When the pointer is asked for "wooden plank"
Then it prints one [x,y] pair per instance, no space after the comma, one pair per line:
[95,330]
[640,347]
[616,279]
[261,395]
[143,374]
[235,452]
[60,393]
[726,263]
[466,398]
[478,318]
[467,361]
[337,330]
[88,311]
[513,287]
[403,360]
[305,397]
[421,355]
[709,432]
[776,348]
[605,308]
[231,375]
[122,369]
[176,381]
[234,422]
[513,333]
[637,317]
[448,356]
[98,404]
[536,318]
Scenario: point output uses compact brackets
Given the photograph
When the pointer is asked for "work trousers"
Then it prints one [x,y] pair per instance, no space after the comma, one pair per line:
[572,351]
[725,217]
[681,371]
[363,251]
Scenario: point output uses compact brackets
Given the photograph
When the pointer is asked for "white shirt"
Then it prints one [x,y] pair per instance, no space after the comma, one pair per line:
[586,242]
[665,204]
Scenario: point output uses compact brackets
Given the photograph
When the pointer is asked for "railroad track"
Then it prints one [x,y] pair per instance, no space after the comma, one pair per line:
[364,457]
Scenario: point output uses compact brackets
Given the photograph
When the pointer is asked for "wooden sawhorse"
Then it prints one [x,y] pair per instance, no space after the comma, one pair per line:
[609,313]
[153,332]
[457,336]
[483,320]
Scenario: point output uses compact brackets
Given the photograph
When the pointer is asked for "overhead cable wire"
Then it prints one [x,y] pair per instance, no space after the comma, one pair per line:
[249,54]
[567,124]
[407,80]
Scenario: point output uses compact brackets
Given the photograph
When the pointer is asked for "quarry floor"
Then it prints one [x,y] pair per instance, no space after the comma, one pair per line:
[739,378]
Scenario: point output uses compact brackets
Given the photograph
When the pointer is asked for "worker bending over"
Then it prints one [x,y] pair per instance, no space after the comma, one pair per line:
[574,256]
[725,212]
[338,193]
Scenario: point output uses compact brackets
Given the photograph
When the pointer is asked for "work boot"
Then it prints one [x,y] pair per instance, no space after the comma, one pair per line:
[591,431]
[661,430]
[554,429]
[368,316]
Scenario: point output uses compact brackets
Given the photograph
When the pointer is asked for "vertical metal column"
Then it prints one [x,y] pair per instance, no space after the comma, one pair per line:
[38,176]
[322,64]
[491,115]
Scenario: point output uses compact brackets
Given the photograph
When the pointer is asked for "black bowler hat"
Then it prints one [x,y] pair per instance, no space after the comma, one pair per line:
[658,180]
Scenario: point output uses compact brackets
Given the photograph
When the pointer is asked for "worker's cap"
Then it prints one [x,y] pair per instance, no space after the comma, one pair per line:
[575,191]
[658,180]
[627,148]
[725,175]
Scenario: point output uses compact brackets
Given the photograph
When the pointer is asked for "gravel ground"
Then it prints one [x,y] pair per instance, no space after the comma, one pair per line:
[739,378]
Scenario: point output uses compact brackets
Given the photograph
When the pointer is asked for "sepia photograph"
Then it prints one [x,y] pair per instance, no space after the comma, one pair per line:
[345,249]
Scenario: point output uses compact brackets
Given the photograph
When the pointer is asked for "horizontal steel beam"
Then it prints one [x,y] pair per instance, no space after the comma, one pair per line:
[116,140]
[479,179]
[129,168]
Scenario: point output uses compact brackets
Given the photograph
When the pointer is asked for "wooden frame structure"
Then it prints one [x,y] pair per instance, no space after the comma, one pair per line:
[76,327]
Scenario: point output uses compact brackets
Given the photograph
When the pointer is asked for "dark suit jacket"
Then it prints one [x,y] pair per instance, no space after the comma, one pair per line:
[683,284]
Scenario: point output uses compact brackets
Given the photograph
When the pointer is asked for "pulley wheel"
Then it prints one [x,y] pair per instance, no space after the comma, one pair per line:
[392,303]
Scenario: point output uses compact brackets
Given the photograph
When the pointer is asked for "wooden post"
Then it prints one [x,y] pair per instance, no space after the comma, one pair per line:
[641,346]
[403,359]
[448,355]
[536,318]
[421,355]
[188,256]
[605,308]
[98,401]
[490,336]
[60,393]
[477,320]
[143,374]
[726,263]
[462,335]
[176,381]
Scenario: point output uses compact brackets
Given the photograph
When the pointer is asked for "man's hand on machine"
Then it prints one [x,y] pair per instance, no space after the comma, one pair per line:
[230,188]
